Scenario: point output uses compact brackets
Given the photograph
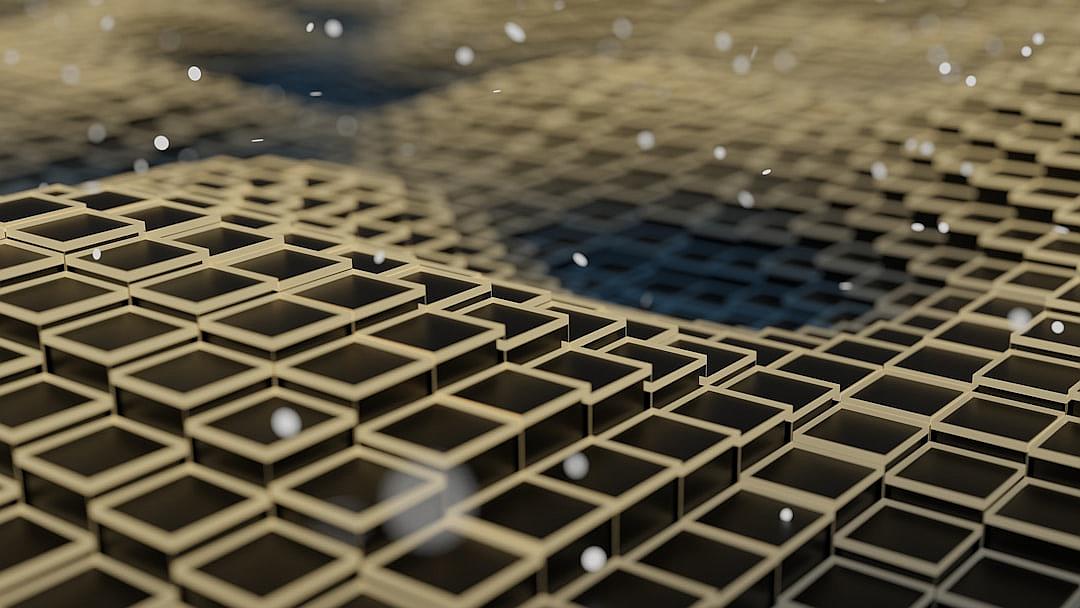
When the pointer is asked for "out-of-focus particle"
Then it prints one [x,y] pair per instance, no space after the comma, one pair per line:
[194,73]
[580,259]
[96,133]
[722,41]
[333,28]
[514,32]
[719,152]
[161,143]
[646,140]
[622,27]
[464,55]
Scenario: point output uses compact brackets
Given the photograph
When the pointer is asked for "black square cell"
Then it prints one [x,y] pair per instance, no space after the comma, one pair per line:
[727,410]
[516,320]
[161,216]
[609,472]
[698,558]
[814,473]
[353,291]
[51,294]
[203,284]
[843,587]
[758,516]
[466,564]
[119,331]
[36,401]
[863,431]
[222,239]
[358,484]
[73,227]
[597,371]
[100,451]
[430,332]
[179,503]
[284,264]
[275,317]
[533,510]
[254,422]
[439,428]
[106,590]
[514,391]
[624,589]
[1000,583]
[957,472]
[281,560]
[191,370]
[24,540]
[663,362]
[908,395]
[669,437]
[911,534]
[101,201]
[139,254]
[828,370]
[778,388]
[354,363]
[28,206]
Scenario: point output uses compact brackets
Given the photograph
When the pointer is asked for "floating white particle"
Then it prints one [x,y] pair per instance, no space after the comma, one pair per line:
[140,165]
[722,41]
[514,32]
[496,91]
[926,148]
[315,94]
[194,73]
[464,55]
[1061,229]
[69,74]
[347,125]
[646,300]
[845,285]
[944,68]
[593,559]
[310,27]
[1025,51]
[107,23]
[766,171]
[970,80]
[257,140]
[753,52]
[878,170]
[1057,327]
[96,133]
[580,259]
[917,226]
[161,143]
[911,144]
[967,168]
[285,422]
[96,254]
[745,199]
[560,5]
[379,257]
[741,64]
[576,466]
[719,152]
[460,484]
[1038,38]
[784,61]
[943,227]
[622,27]
[1018,318]
[333,28]
[646,140]
[11,56]
[786,515]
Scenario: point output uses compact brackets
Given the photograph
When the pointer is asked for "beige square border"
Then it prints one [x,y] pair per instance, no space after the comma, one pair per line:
[21,231]
[271,241]
[144,290]
[558,320]
[50,259]
[79,543]
[594,396]
[337,265]
[1061,538]
[894,478]
[84,260]
[55,337]
[491,332]
[787,599]
[216,323]
[651,384]
[96,403]
[413,291]
[162,595]
[945,593]
[27,359]
[115,294]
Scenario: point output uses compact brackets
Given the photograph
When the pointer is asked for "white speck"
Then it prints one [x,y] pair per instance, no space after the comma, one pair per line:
[93,186]
[943,227]
[1061,229]
[944,68]
[379,257]
[622,28]
[917,226]
[845,285]
[1025,51]
[285,422]
[719,152]
[161,143]
[745,199]
[646,140]
[346,126]
[11,56]
[593,558]
[460,484]
[753,52]
[107,23]
[741,64]
[722,41]
[786,515]
[1057,327]
[96,133]
[140,165]
[257,140]
[333,28]
[514,32]
[970,80]
[315,94]
[1038,38]
[784,61]
[911,144]
[464,55]
[1018,318]
[96,253]
[576,466]
[927,148]
[878,170]
[766,171]
[560,5]
[496,91]
[69,74]
[967,168]
[580,259]
[310,27]
[194,73]
[646,300]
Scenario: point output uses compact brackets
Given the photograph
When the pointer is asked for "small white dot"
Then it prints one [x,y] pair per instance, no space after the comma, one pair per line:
[646,140]
[622,28]
[96,133]
[786,515]
[741,64]
[1038,38]
[560,5]
[140,165]
[96,253]
[970,80]
[194,73]
[333,28]
[285,422]
[967,168]
[107,23]
[1025,51]
[315,94]
[580,259]
[722,41]
[1018,318]
[911,144]
[878,170]
[1057,327]
[766,171]
[496,91]
[69,74]
[943,227]
[576,466]
[745,199]
[719,152]
[944,68]
[646,300]
[379,257]
[11,56]
[917,226]
[593,559]
[926,148]
[1061,229]
[310,27]
[464,55]
[845,285]
[514,32]
[257,140]
[161,143]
